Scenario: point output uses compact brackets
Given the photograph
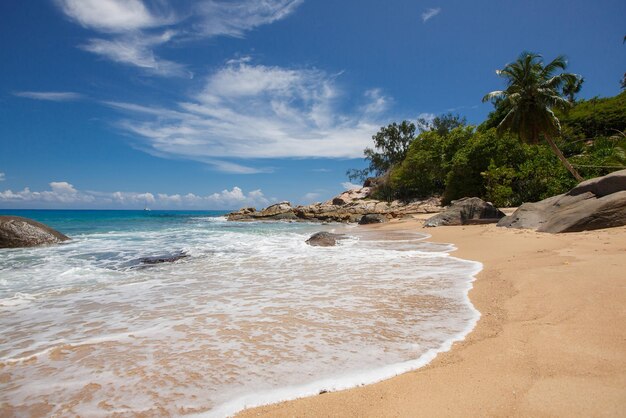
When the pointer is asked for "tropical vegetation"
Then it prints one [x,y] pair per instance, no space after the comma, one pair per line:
[531,144]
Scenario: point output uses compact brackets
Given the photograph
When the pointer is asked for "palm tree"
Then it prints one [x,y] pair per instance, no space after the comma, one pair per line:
[533,90]
[572,87]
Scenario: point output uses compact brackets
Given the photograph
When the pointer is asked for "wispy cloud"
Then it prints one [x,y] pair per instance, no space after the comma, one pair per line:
[350,186]
[2,177]
[135,30]
[138,51]
[234,18]
[62,193]
[53,96]
[249,111]
[430,13]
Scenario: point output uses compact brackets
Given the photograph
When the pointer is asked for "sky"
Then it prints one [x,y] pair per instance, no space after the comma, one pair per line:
[215,104]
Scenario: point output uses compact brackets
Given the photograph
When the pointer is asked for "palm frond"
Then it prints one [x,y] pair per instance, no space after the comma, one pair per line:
[493,96]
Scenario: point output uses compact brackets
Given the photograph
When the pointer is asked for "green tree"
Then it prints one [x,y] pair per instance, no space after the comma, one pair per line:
[572,87]
[442,124]
[391,143]
[533,90]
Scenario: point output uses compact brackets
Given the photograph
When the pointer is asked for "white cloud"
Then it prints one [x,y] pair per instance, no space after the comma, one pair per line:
[350,186]
[254,111]
[110,15]
[53,96]
[131,25]
[66,195]
[60,192]
[138,51]
[430,13]
[2,177]
[377,102]
[234,18]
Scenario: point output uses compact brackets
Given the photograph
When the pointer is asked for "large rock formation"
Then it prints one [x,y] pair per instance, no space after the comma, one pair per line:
[277,212]
[466,211]
[349,206]
[593,204]
[16,232]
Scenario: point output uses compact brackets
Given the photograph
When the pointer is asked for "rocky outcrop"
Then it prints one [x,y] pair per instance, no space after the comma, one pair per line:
[277,212]
[465,211]
[16,232]
[593,204]
[349,206]
[324,239]
[372,218]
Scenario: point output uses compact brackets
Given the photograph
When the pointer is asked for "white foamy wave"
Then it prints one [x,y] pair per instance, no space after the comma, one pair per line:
[251,315]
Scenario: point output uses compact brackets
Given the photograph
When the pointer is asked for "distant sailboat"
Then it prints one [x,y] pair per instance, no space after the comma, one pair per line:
[146,208]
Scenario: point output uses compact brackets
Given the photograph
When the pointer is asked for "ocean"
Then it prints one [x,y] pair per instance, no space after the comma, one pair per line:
[250,315]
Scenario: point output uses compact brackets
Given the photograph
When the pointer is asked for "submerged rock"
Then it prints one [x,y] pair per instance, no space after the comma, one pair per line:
[17,232]
[150,261]
[466,210]
[169,258]
[593,204]
[324,239]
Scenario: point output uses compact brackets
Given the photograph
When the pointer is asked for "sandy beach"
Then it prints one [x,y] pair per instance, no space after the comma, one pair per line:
[551,340]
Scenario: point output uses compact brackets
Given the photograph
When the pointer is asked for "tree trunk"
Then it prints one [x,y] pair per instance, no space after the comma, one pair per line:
[566,163]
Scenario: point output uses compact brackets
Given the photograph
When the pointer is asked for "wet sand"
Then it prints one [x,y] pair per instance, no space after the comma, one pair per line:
[551,340]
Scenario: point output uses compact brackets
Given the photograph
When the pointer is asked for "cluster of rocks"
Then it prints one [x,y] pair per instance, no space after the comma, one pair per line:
[466,211]
[350,206]
[593,204]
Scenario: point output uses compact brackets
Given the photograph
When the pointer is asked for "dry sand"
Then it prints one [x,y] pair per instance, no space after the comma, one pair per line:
[551,340]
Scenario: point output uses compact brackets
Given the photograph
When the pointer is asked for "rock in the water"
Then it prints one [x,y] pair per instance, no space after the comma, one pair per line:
[593,204]
[372,218]
[466,210]
[324,239]
[166,258]
[16,232]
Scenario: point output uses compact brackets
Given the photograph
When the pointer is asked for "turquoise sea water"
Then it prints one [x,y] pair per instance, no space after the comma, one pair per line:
[72,222]
[251,315]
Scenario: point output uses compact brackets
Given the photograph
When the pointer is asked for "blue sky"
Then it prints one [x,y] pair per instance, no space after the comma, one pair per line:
[213,104]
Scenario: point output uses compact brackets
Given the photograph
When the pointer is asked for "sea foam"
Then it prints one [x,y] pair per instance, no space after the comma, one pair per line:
[252,316]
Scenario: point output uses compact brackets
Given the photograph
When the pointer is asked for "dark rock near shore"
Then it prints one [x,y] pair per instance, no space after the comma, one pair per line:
[324,239]
[465,211]
[372,218]
[16,232]
[593,204]
[167,258]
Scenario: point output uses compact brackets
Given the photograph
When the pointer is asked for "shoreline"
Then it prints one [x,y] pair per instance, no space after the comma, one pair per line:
[549,340]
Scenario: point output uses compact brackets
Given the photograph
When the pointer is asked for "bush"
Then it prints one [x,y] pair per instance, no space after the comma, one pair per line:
[596,117]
